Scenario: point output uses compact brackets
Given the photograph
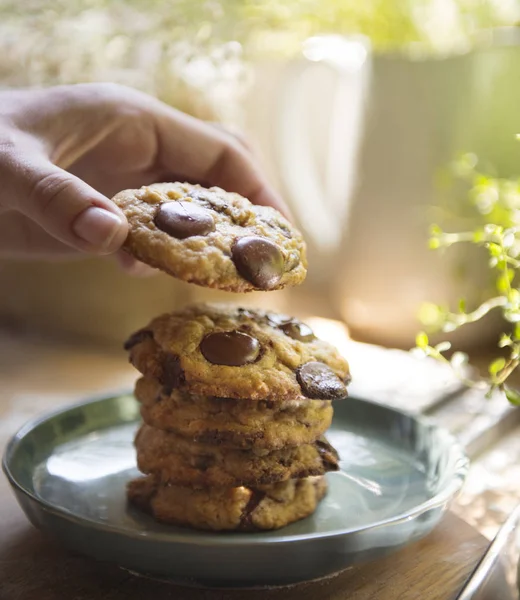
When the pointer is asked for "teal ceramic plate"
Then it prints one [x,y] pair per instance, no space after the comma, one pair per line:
[398,473]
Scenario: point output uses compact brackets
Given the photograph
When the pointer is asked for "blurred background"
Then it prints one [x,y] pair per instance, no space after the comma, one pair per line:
[368,116]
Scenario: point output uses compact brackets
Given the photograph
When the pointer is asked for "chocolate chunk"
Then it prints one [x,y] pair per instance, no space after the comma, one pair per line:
[259,261]
[298,331]
[254,500]
[231,348]
[329,456]
[277,319]
[184,219]
[319,382]
[291,327]
[137,338]
[172,375]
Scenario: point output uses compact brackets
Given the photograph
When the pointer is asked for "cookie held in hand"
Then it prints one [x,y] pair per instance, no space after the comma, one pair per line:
[213,238]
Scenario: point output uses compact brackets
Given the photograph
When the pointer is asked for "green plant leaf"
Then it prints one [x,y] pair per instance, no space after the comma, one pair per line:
[514,296]
[421,340]
[505,340]
[504,282]
[497,365]
[494,249]
[479,236]
[429,314]
[512,395]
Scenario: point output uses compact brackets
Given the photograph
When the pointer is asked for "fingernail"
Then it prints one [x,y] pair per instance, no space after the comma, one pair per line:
[97,227]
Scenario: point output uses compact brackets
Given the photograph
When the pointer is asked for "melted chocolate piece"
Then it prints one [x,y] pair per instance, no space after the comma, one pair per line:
[298,331]
[292,327]
[254,500]
[172,375]
[277,319]
[319,382]
[137,338]
[259,260]
[231,348]
[182,220]
[329,456]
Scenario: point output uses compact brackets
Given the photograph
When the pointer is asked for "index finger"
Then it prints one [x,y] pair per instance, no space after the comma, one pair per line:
[201,152]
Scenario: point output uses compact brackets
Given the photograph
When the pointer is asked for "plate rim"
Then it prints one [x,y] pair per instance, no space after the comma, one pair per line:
[229,538]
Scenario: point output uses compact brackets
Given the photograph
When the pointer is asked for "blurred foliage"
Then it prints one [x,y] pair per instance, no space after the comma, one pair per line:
[191,53]
[494,214]
[486,198]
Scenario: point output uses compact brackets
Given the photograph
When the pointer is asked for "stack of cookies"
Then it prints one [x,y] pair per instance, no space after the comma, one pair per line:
[235,402]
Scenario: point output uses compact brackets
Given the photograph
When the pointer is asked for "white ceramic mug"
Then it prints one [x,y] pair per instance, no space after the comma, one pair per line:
[356,142]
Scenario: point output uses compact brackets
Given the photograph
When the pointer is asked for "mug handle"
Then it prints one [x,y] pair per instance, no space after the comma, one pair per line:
[321,203]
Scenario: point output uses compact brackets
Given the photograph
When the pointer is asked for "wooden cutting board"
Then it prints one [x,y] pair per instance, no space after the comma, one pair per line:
[33,567]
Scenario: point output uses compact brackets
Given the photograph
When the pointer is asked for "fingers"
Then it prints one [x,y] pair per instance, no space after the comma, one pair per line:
[21,238]
[62,205]
[234,133]
[203,152]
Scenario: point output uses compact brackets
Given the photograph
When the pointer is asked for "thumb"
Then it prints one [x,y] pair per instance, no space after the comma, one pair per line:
[63,205]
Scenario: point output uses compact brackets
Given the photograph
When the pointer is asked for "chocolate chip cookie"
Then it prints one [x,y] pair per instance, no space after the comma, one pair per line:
[175,459]
[229,423]
[229,352]
[212,238]
[237,508]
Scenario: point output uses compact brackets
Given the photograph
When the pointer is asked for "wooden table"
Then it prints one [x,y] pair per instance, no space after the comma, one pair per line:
[37,376]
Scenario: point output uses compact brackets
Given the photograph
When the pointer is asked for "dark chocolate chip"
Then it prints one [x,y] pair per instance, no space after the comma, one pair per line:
[259,260]
[254,500]
[184,219]
[231,348]
[319,382]
[277,319]
[172,375]
[291,327]
[329,455]
[137,338]
[298,331]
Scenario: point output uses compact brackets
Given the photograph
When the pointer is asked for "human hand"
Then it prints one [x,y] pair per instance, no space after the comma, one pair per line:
[65,150]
